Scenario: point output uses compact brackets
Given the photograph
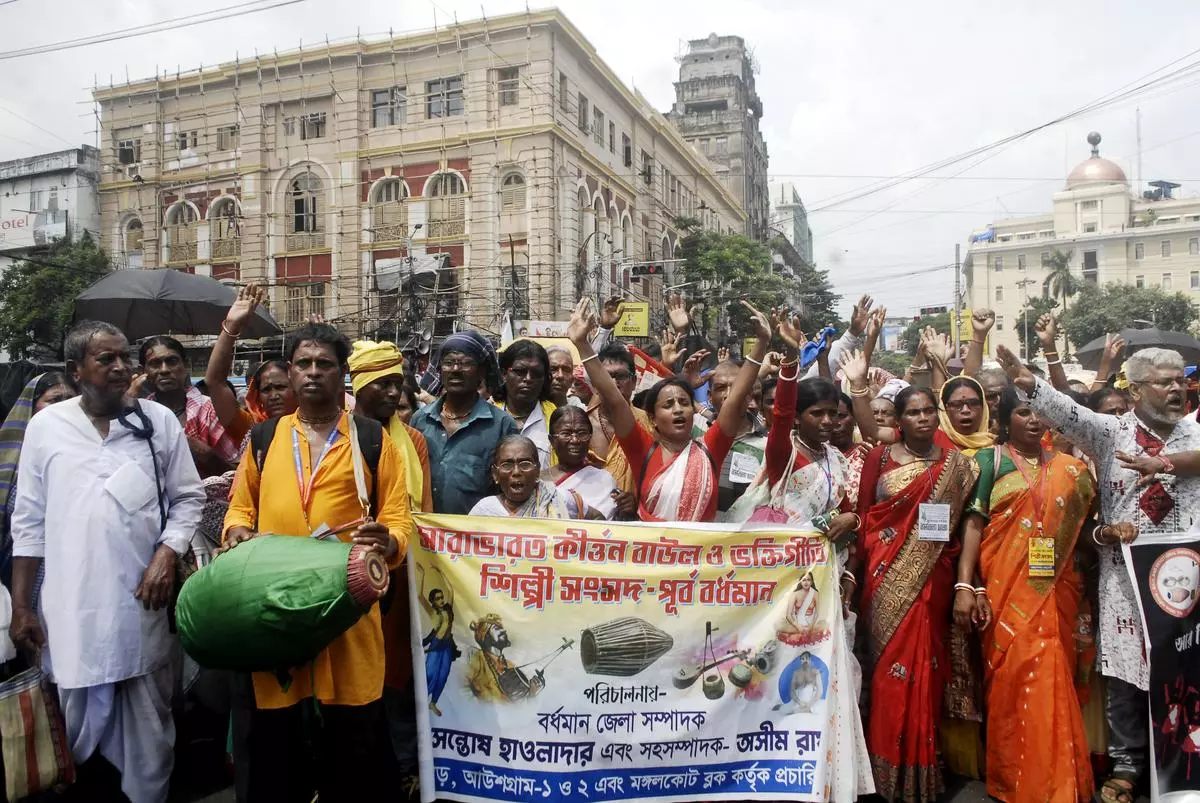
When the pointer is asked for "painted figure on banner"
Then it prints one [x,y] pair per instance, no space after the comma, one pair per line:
[440,649]
[801,625]
[491,677]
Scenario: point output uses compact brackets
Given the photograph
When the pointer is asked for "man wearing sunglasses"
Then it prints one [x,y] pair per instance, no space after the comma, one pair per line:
[1156,428]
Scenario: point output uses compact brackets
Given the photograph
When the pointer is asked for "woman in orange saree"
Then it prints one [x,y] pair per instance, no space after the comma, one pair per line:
[908,579]
[1024,524]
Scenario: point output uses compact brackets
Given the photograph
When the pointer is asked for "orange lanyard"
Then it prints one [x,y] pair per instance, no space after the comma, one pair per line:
[1035,490]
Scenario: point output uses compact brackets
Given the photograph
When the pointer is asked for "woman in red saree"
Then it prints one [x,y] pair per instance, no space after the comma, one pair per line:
[906,595]
[675,475]
[1024,525]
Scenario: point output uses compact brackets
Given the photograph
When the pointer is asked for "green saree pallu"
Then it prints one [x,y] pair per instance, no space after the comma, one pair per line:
[276,601]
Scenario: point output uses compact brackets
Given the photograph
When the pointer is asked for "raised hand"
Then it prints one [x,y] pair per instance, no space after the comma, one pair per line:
[691,367]
[788,326]
[677,313]
[937,346]
[582,321]
[982,321]
[875,322]
[610,314]
[854,367]
[722,354]
[1017,373]
[248,298]
[1114,345]
[1047,330]
[770,364]
[669,342]
[858,319]
[762,327]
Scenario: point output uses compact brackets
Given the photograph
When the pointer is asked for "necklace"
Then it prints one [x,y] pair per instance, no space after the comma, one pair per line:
[918,455]
[1033,461]
[316,422]
[810,449]
[446,413]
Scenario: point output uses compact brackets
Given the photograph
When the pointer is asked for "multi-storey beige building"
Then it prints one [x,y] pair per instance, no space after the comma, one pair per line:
[407,183]
[1111,234]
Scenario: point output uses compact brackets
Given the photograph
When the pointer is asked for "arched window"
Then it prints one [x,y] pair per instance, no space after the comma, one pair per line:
[304,228]
[512,193]
[181,220]
[133,237]
[305,193]
[447,205]
[224,228]
[389,213]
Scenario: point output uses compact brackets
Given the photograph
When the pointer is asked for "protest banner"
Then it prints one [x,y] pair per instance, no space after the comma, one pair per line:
[1165,571]
[590,660]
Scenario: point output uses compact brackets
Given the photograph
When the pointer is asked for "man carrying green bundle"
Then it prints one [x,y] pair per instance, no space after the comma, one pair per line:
[301,482]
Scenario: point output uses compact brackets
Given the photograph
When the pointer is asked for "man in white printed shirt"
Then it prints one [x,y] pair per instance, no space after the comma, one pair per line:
[108,498]
[1157,423]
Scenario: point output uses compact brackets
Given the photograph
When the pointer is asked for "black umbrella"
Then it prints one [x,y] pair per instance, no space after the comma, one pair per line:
[1138,339]
[158,302]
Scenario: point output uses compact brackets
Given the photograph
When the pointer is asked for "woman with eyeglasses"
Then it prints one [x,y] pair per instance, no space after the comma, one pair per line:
[911,500]
[515,470]
[570,434]
[964,416]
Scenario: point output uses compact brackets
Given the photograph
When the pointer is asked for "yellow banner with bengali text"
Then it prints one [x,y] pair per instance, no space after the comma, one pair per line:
[603,661]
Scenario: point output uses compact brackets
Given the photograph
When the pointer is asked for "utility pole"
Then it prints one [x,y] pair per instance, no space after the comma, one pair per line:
[957,327]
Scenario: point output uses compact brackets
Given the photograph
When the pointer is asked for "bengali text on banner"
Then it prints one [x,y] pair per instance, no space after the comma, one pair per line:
[590,660]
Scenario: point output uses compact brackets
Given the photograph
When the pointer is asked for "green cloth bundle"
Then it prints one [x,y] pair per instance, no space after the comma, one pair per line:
[276,601]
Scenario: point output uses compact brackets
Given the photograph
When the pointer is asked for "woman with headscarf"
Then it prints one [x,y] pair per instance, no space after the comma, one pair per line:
[964,416]
[522,494]
[38,394]
[461,429]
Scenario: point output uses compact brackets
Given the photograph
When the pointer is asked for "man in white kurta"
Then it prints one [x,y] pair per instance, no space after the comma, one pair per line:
[86,507]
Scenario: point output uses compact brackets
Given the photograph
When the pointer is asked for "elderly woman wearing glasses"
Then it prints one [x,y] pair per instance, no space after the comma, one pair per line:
[515,470]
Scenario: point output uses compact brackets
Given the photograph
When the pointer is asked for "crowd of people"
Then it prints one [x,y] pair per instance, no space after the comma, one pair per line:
[977,515]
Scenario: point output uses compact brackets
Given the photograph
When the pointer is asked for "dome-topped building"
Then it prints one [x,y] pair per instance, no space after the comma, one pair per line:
[1110,231]
[1096,171]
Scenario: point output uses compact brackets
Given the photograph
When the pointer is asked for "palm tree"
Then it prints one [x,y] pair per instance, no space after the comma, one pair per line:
[1060,282]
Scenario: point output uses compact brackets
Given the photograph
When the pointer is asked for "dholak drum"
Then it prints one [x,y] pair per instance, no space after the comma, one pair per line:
[276,601]
[622,647]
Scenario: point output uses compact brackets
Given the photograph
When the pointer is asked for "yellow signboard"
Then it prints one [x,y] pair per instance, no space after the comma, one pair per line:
[635,319]
[748,345]
[965,330]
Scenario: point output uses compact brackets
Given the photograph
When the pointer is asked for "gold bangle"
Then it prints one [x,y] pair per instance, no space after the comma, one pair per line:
[859,393]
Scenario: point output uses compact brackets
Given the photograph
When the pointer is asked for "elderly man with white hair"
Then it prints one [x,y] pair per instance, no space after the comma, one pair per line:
[1157,425]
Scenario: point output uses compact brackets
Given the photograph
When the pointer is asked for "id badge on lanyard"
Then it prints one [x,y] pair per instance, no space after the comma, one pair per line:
[306,489]
[933,522]
[1041,556]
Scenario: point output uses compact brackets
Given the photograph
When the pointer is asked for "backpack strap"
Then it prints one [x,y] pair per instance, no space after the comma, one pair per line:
[370,444]
[261,435]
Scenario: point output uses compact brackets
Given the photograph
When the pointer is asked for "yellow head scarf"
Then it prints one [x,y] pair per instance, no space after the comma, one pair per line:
[981,438]
[370,361]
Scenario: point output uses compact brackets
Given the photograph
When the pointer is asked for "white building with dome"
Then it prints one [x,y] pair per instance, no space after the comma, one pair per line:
[1146,240]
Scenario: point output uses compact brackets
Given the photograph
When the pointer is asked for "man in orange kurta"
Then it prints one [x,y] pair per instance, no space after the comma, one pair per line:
[345,752]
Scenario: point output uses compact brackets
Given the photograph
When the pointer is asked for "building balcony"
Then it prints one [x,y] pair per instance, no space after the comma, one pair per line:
[305,241]
[227,248]
[700,120]
[181,252]
[447,227]
[390,232]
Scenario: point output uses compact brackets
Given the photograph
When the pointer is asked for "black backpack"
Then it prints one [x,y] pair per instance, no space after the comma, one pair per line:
[370,443]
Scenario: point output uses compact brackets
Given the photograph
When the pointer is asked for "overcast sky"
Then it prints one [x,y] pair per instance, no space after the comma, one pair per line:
[851,92]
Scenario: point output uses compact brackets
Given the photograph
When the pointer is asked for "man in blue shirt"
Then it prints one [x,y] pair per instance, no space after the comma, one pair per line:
[461,428]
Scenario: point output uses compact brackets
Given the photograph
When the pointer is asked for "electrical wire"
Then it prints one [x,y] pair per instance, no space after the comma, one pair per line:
[214,15]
